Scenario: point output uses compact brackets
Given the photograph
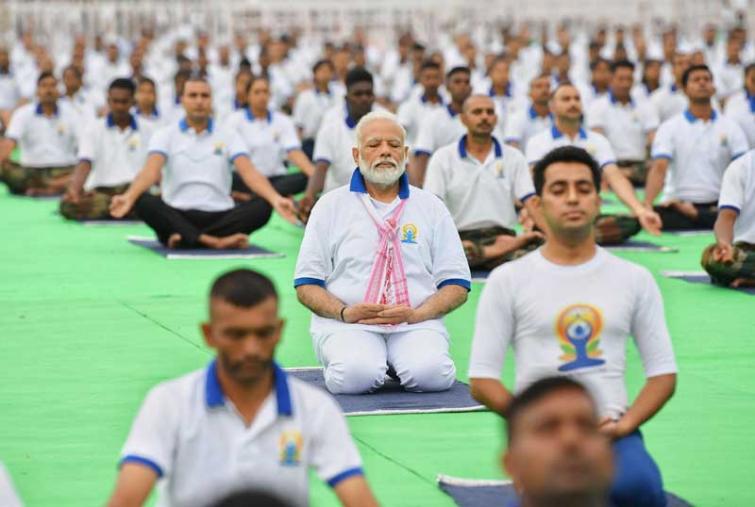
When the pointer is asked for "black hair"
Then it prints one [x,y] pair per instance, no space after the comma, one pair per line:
[564,154]
[320,63]
[536,392]
[599,61]
[251,498]
[145,79]
[181,74]
[429,64]
[45,75]
[122,83]
[691,69]
[458,70]
[255,78]
[243,287]
[358,75]
[74,69]
[750,67]
[622,64]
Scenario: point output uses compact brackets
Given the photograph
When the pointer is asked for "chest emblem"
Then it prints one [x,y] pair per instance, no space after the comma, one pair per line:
[290,447]
[133,143]
[499,169]
[409,233]
[578,329]
[219,147]
[61,129]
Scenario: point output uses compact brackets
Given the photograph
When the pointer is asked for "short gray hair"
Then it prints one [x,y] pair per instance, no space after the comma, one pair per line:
[374,116]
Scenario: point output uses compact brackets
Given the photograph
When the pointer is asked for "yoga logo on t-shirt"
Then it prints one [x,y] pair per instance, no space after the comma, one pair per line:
[578,329]
[409,233]
[290,446]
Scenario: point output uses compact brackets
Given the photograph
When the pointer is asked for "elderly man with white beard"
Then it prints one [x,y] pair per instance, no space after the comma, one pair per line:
[381,263]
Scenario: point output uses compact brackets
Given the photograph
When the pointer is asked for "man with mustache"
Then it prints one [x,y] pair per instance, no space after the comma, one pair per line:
[381,262]
[240,423]
[480,179]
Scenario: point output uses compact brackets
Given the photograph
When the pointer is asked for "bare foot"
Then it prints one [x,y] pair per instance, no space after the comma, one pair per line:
[234,241]
[174,240]
[241,196]
[685,208]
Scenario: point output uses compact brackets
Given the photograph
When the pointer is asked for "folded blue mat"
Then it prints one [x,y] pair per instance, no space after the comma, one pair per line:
[481,493]
[702,277]
[251,252]
[393,399]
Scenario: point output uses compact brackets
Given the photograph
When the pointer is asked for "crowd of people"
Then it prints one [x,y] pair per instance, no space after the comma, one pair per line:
[408,168]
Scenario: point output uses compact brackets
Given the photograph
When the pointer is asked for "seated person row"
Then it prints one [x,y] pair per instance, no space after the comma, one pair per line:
[112,151]
[536,117]
[567,130]
[700,143]
[271,139]
[242,422]
[731,260]
[47,133]
[380,263]
[195,209]
[582,327]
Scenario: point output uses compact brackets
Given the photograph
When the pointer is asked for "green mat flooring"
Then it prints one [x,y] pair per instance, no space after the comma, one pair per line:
[90,323]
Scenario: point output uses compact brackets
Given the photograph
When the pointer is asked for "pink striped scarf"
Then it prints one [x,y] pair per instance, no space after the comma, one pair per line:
[387,280]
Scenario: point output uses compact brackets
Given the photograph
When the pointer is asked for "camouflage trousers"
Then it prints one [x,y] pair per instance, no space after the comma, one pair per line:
[615,229]
[742,267]
[93,205]
[478,239]
[45,179]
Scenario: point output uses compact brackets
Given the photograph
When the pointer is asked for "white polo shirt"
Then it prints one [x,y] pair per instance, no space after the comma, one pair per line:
[668,101]
[309,108]
[411,113]
[9,91]
[82,103]
[339,244]
[333,145]
[480,194]
[738,194]
[154,120]
[740,107]
[192,436]
[524,124]
[45,141]
[438,128]
[626,126]
[595,144]
[268,140]
[572,320]
[197,170]
[699,152]
[116,155]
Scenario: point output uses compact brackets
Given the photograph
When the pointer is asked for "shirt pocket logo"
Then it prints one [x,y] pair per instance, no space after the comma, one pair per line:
[290,446]
[409,234]
[219,148]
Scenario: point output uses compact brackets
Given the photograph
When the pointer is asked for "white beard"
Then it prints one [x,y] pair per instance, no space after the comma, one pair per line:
[383,177]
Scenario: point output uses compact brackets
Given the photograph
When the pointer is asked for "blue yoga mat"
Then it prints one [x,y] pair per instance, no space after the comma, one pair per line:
[251,252]
[480,493]
[392,399]
[702,277]
[110,223]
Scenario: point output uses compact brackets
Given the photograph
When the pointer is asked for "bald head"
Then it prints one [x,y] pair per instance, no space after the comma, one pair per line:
[479,115]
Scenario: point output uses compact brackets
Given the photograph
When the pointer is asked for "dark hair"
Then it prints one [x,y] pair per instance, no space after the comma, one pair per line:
[122,83]
[694,68]
[458,70]
[255,78]
[74,69]
[182,74]
[429,64]
[320,63]
[564,154]
[358,75]
[145,79]
[243,287]
[750,67]
[536,392]
[45,75]
[251,498]
[599,61]
[622,64]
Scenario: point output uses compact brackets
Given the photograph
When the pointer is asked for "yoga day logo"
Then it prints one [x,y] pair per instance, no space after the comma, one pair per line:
[578,330]
[290,446]
[409,233]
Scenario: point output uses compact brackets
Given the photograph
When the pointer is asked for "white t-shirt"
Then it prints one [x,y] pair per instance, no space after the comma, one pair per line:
[309,108]
[572,320]
[438,128]
[45,141]
[197,170]
[595,144]
[668,102]
[9,91]
[333,145]
[116,155]
[626,126]
[740,107]
[480,194]
[340,240]
[191,435]
[738,194]
[268,140]
[699,152]
[411,113]
[524,124]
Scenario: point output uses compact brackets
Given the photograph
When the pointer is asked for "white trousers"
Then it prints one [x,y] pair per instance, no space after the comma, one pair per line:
[357,361]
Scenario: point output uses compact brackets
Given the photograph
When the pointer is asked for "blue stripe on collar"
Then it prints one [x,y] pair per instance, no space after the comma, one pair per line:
[692,118]
[350,121]
[555,133]
[111,123]
[451,111]
[38,110]
[462,146]
[214,396]
[184,126]
[506,92]
[615,101]
[251,117]
[358,185]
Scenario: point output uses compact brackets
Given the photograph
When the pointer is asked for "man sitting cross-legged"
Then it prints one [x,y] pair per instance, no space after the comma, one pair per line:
[196,209]
[380,264]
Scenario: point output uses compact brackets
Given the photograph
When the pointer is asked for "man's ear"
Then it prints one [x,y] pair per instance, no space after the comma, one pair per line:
[207,334]
[355,154]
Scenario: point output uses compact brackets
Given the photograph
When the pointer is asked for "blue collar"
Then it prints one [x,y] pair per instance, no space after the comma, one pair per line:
[692,118]
[39,112]
[555,133]
[237,105]
[110,123]
[214,396]
[155,112]
[615,101]
[533,114]
[751,100]
[178,100]
[350,122]
[251,117]
[497,149]
[423,98]
[357,184]
[451,112]
[506,92]
[184,126]
[673,88]
[326,92]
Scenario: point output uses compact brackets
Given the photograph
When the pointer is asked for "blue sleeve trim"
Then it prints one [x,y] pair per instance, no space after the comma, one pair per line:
[131,458]
[737,156]
[239,154]
[294,148]
[158,152]
[729,206]
[663,155]
[323,160]
[309,281]
[516,140]
[523,199]
[346,474]
[85,160]
[456,281]
[607,163]
[422,152]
